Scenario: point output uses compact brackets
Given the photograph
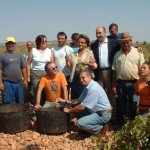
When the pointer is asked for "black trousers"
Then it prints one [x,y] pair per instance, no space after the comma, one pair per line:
[126,107]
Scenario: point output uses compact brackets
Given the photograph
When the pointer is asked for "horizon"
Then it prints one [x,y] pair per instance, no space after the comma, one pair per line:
[24,20]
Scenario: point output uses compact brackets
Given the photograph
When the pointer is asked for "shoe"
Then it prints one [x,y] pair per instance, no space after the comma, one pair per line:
[104,129]
[73,121]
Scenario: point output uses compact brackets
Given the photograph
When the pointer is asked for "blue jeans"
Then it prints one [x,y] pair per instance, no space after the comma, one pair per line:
[50,105]
[12,91]
[93,122]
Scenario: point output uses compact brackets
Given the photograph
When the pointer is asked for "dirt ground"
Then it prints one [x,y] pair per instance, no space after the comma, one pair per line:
[33,140]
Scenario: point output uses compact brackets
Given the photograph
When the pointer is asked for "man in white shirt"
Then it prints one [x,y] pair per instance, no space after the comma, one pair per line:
[60,52]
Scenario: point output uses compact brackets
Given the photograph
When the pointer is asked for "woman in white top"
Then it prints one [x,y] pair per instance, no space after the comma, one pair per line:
[39,56]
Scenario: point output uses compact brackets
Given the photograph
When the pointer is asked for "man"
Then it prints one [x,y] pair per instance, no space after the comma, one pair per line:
[104,50]
[113,30]
[12,67]
[60,52]
[54,84]
[126,65]
[27,95]
[93,108]
[74,43]
[29,45]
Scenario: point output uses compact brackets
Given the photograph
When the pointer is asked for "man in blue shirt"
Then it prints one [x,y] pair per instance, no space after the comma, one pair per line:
[92,108]
[113,30]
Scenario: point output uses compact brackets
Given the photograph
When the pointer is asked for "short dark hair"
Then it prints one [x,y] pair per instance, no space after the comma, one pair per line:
[113,25]
[62,33]
[39,39]
[74,36]
[46,66]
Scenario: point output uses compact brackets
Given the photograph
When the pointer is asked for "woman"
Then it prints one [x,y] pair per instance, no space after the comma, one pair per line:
[82,60]
[142,89]
[39,56]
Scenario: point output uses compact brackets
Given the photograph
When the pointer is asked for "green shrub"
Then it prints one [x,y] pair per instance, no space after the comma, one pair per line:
[134,135]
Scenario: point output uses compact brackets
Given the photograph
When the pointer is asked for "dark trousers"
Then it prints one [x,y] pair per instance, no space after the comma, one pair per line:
[69,85]
[76,87]
[125,105]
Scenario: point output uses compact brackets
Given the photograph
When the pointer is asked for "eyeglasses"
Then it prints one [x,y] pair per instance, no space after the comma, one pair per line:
[53,68]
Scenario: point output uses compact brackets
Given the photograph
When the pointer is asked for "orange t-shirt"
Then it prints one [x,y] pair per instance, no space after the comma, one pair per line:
[143,90]
[53,87]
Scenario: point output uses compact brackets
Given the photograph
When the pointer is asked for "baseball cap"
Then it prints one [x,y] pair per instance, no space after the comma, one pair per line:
[10,39]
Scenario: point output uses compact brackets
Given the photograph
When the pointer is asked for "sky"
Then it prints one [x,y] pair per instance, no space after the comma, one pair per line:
[26,19]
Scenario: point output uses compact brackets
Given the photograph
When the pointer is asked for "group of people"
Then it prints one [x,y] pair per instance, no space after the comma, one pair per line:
[95,72]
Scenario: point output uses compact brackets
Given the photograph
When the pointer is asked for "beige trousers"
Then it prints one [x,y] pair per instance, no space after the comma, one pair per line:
[105,77]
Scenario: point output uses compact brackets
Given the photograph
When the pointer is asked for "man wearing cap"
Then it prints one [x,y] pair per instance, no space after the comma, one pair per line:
[12,67]
[126,65]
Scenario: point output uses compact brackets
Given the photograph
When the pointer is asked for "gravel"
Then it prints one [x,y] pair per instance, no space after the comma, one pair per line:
[32,140]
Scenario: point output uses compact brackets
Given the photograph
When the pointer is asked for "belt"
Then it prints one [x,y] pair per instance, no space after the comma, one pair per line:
[102,69]
[127,80]
[104,111]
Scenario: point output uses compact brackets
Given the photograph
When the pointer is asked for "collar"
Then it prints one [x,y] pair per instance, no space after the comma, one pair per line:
[88,86]
[105,41]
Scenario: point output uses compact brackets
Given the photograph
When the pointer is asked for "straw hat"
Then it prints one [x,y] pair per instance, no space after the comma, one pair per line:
[125,36]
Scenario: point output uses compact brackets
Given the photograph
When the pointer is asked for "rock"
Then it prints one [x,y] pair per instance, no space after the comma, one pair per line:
[3,142]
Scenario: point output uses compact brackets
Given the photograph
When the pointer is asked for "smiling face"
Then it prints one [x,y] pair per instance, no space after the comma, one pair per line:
[43,43]
[10,46]
[82,43]
[61,40]
[126,45]
[145,70]
[100,34]
[85,78]
[52,69]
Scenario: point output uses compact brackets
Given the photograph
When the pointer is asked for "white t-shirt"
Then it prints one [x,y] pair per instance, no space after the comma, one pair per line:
[60,61]
[40,59]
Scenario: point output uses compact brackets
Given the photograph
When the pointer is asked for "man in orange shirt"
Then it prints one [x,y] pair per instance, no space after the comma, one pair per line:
[55,86]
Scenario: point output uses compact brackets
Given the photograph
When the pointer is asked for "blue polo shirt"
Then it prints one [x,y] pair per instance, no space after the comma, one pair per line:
[115,37]
[94,97]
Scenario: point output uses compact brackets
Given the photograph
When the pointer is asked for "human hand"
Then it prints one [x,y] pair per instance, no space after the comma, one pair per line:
[140,49]
[38,106]
[25,83]
[114,90]
[66,110]
[60,100]
[28,79]
[1,87]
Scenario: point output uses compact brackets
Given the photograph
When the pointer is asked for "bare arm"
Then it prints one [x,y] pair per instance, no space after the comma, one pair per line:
[72,102]
[65,92]
[29,60]
[52,59]
[77,108]
[1,82]
[38,98]
[24,73]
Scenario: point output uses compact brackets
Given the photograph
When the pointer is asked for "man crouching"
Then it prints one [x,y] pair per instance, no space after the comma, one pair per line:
[92,109]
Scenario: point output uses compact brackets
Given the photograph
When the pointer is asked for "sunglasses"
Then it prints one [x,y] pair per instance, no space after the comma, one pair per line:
[53,68]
